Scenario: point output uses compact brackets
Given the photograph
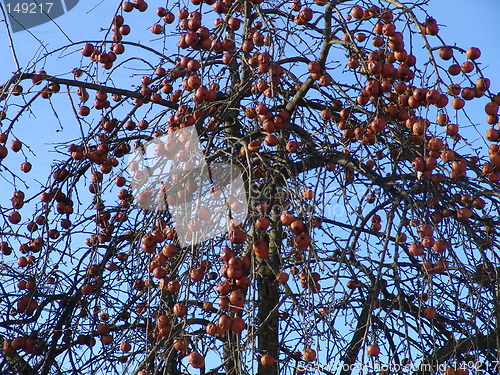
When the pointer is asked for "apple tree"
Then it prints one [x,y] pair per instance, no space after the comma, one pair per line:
[251,186]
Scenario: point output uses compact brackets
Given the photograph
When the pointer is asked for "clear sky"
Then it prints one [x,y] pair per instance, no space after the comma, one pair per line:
[472,23]
[463,22]
[468,23]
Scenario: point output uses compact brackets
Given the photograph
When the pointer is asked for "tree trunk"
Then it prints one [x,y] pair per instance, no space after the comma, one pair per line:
[269,298]
[268,338]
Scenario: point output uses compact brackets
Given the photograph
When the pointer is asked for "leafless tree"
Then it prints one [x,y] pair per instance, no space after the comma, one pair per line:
[371,205]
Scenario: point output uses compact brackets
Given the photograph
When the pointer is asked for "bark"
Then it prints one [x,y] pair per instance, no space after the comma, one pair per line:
[231,353]
[356,341]
[268,338]
[269,296]
[16,363]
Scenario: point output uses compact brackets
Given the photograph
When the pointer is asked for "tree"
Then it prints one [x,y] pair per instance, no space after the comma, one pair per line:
[369,214]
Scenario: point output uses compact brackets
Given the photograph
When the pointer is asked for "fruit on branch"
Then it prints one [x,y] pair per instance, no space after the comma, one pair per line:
[430,27]
[238,325]
[84,111]
[262,223]
[156,29]
[267,360]
[416,249]
[357,12]
[16,89]
[309,355]
[260,248]
[429,313]
[196,360]
[88,49]
[473,53]
[282,277]
[384,114]
[445,53]
[373,350]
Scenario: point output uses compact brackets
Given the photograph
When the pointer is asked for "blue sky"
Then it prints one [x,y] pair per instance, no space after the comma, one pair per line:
[471,24]
[461,23]
[466,24]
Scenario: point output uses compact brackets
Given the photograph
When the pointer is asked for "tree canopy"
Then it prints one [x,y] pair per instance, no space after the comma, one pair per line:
[252,186]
